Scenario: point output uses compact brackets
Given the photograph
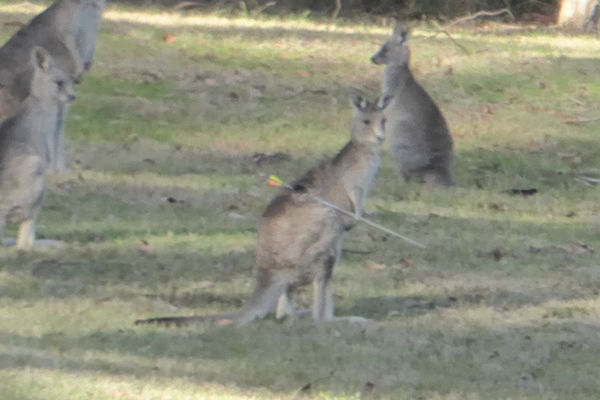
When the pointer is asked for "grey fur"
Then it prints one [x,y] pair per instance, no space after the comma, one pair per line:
[299,239]
[26,146]
[67,30]
[418,134]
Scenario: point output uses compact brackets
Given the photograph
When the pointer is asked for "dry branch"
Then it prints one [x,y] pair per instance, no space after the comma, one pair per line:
[437,32]
[338,8]
[465,19]
[256,11]
[480,14]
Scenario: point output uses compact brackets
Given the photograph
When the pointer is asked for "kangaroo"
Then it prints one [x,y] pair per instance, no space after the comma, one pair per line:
[67,30]
[419,140]
[299,239]
[26,146]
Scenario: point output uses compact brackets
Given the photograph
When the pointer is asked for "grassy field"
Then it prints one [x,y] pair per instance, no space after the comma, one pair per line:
[169,141]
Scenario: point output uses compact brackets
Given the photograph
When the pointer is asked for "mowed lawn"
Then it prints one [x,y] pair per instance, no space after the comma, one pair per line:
[170,140]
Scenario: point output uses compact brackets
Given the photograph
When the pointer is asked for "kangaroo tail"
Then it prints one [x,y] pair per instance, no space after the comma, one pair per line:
[188,320]
[261,304]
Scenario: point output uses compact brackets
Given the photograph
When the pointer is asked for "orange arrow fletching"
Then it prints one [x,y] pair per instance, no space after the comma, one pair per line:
[274,181]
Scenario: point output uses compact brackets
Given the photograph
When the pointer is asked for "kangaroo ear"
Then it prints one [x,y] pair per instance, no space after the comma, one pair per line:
[357,100]
[40,58]
[385,101]
[400,32]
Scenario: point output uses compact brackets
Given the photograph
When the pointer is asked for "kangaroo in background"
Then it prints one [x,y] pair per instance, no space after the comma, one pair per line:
[26,144]
[299,239]
[67,30]
[419,140]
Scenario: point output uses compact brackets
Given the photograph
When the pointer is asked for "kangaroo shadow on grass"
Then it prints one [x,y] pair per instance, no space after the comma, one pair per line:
[522,167]
[391,307]
[168,276]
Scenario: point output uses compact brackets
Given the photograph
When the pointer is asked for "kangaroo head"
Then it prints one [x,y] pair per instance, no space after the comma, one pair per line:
[49,83]
[368,124]
[395,51]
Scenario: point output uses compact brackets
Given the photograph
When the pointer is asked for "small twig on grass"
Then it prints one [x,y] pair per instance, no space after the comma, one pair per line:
[587,180]
[350,251]
[582,120]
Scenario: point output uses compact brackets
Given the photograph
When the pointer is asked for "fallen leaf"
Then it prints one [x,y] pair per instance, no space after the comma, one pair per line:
[372,265]
[224,322]
[168,38]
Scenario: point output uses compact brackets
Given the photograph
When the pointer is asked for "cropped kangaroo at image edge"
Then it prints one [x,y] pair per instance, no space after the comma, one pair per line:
[25,142]
[299,239]
[420,143]
[67,30]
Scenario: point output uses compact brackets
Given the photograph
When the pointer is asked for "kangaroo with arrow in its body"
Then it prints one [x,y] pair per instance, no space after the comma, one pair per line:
[299,238]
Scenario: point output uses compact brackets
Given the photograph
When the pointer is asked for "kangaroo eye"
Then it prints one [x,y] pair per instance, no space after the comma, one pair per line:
[366,121]
[60,84]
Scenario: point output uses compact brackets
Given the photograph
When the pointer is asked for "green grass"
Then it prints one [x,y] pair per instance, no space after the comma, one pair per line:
[159,212]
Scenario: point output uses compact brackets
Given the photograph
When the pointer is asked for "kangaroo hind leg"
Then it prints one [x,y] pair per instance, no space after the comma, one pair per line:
[26,236]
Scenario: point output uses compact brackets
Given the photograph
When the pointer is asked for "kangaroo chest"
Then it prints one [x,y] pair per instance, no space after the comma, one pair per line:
[357,180]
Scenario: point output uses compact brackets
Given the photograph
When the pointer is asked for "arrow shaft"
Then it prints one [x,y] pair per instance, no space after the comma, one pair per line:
[359,218]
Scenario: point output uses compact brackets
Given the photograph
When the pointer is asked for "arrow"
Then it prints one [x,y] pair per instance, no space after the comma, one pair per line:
[273,180]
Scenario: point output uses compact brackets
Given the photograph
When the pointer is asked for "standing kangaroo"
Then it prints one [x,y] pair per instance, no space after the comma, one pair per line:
[26,145]
[299,239]
[418,135]
[67,30]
